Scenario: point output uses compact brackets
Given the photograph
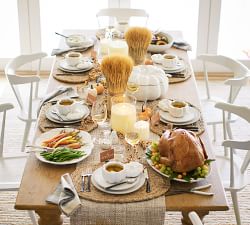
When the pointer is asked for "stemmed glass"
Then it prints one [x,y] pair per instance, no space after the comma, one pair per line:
[99,115]
[99,112]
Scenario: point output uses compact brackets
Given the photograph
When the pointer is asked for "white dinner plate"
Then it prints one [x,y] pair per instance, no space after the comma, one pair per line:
[85,138]
[188,116]
[66,119]
[178,121]
[139,183]
[97,176]
[85,66]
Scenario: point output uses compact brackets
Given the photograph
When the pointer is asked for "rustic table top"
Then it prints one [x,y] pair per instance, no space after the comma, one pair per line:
[40,179]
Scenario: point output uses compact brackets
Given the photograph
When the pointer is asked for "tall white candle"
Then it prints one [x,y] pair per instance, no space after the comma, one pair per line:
[142,128]
[118,47]
[123,117]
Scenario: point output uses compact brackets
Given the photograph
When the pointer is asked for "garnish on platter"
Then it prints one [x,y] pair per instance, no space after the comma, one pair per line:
[180,155]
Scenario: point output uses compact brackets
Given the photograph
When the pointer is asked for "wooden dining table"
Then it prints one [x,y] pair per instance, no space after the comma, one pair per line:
[40,179]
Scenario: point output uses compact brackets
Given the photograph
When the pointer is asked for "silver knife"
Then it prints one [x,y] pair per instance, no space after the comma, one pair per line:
[148,187]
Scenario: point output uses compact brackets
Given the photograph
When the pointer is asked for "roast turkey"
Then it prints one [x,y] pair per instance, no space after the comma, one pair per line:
[181,150]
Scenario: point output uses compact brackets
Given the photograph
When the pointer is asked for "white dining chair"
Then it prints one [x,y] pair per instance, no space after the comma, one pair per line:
[122,15]
[28,112]
[11,167]
[195,219]
[232,168]
[240,78]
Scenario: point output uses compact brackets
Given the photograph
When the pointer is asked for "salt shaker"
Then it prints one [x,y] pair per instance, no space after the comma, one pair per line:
[114,138]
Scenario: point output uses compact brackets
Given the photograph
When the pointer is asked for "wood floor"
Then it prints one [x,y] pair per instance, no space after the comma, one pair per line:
[13,139]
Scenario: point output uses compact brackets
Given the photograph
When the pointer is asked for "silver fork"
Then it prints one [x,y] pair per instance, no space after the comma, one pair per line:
[88,174]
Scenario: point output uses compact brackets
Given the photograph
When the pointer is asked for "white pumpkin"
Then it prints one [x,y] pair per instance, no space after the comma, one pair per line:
[153,83]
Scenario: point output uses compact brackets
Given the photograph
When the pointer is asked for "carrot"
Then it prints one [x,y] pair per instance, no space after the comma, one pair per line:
[74,145]
[61,140]
[56,138]
[66,142]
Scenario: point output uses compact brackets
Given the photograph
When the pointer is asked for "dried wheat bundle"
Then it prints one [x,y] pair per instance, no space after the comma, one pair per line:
[117,69]
[138,40]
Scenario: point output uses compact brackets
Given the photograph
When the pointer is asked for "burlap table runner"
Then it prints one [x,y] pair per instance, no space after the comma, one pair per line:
[101,208]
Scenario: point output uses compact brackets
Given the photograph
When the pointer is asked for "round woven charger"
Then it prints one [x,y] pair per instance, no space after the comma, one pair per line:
[77,78]
[174,80]
[161,127]
[72,79]
[159,186]
[45,124]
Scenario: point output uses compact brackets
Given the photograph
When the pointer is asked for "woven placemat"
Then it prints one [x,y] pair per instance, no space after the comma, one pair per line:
[174,80]
[45,124]
[76,78]
[161,127]
[159,186]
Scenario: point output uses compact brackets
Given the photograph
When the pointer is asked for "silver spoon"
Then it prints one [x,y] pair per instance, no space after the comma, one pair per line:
[127,181]
[57,114]
[61,35]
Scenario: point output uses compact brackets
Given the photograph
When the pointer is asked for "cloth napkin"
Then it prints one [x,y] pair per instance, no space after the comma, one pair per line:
[65,196]
[182,44]
[60,90]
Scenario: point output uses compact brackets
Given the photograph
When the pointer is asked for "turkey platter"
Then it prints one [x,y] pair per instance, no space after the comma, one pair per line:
[179,154]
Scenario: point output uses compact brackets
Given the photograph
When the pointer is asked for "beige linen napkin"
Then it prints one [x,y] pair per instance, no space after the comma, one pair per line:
[65,196]
[138,213]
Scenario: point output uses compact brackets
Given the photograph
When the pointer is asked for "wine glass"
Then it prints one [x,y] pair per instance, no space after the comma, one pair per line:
[132,138]
[99,112]
[132,87]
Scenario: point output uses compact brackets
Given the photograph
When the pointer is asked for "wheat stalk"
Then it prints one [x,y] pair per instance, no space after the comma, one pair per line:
[117,69]
[138,40]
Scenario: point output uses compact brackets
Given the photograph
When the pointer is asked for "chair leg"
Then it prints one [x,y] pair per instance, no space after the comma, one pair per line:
[236,207]
[36,90]
[26,134]
[32,217]
[229,130]
[214,132]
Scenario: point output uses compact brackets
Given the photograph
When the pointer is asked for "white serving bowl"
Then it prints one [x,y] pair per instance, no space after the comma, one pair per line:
[161,48]
[78,40]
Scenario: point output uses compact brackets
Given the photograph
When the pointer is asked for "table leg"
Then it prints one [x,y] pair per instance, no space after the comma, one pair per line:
[49,217]
[185,219]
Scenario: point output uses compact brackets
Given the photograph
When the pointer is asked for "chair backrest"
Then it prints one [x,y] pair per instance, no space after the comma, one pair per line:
[195,219]
[15,80]
[244,113]
[239,70]
[3,108]
[122,15]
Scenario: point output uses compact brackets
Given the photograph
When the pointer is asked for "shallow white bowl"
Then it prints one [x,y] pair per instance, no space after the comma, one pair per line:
[161,48]
[78,40]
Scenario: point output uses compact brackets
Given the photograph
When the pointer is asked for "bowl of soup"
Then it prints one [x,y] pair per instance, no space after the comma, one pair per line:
[114,172]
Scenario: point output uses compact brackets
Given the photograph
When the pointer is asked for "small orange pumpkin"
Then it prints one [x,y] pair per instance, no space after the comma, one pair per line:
[145,114]
[148,62]
[99,88]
